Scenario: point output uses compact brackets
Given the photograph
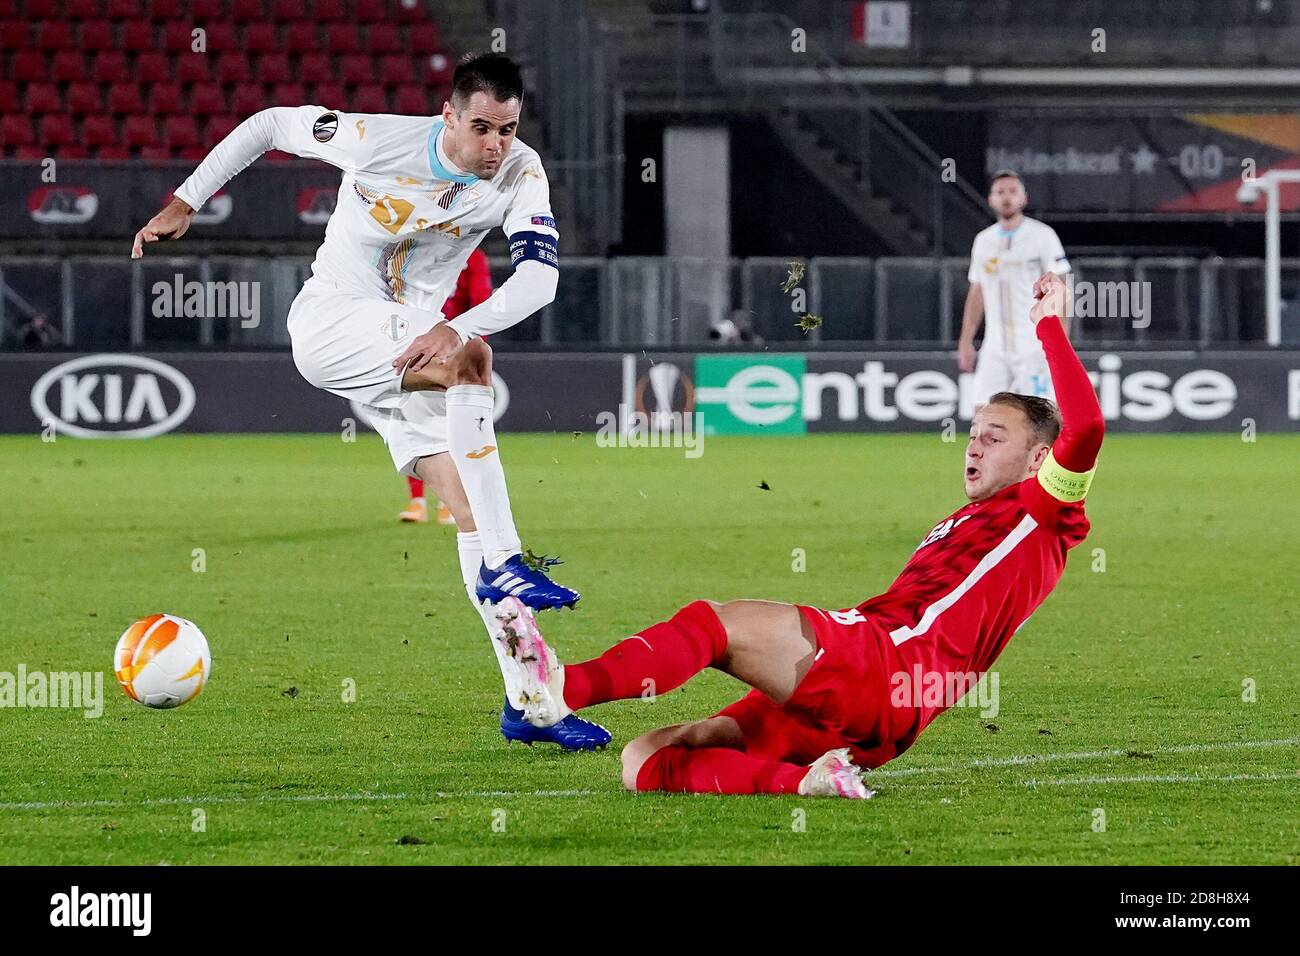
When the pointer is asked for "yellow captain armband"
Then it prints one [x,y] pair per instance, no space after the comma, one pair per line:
[1063,484]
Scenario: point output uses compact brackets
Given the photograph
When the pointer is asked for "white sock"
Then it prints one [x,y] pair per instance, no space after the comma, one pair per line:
[471,555]
[473,442]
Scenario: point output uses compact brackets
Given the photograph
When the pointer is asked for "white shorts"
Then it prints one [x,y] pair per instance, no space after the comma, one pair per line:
[1023,372]
[345,344]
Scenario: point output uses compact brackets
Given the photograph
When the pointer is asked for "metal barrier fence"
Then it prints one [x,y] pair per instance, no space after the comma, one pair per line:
[102,302]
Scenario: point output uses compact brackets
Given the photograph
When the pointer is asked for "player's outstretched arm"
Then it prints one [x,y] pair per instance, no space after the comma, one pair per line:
[1082,425]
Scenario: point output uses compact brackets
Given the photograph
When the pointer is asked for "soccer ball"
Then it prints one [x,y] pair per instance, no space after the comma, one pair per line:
[162,660]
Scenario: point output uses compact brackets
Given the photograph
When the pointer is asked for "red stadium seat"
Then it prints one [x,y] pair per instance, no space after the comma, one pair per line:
[204,10]
[342,38]
[356,68]
[134,9]
[16,130]
[411,101]
[219,127]
[109,66]
[15,35]
[302,36]
[113,151]
[410,11]
[423,38]
[370,11]
[155,152]
[370,98]
[97,35]
[288,94]
[57,130]
[246,10]
[41,9]
[181,131]
[31,151]
[98,131]
[9,96]
[222,38]
[165,99]
[234,68]
[68,65]
[73,151]
[176,37]
[396,69]
[436,69]
[207,99]
[83,9]
[383,38]
[315,68]
[85,97]
[140,131]
[327,11]
[290,10]
[54,35]
[139,35]
[153,68]
[125,98]
[248,99]
[261,38]
[194,153]
[193,69]
[330,95]
[43,98]
[28,66]
[274,68]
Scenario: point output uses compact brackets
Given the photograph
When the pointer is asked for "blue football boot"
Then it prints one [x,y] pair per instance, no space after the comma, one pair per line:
[516,579]
[571,733]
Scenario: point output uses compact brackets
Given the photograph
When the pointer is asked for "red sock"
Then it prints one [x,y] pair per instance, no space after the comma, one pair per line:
[658,659]
[417,487]
[680,769]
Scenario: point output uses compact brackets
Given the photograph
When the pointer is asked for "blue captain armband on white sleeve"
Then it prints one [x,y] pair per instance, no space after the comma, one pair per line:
[537,246]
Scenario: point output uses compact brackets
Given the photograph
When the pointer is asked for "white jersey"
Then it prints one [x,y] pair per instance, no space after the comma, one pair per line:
[404,223]
[1006,264]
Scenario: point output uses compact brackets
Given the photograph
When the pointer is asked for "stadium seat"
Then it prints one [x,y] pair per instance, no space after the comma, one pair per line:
[219,127]
[411,100]
[97,35]
[54,35]
[28,66]
[356,68]
[73,151]
[139,36]
[288,94]
[41,9]
[98,131]
[396,69]
[140,131]
[327,11]
[370,98]
[331,95]
[134,9]
[261,38]
[292,10]
[84,97]
[15,35]
[176,37]
[370,11]
[193,69]
[16,130]
[57,130]
[9,96]
[383,38]
[165,99]
[155,152]
[222,38]
[43,98]
[125,99]
[194,153]
[181,131]
[315,68]
[152,68]
[234,68]
[206,10]
[247,10]
[302,37]
[274,68]
[83,9]
[207,99]
[435,69]
[423,38]
[113,151]
[68,65]
[109,66]
[342,38]
[248,99]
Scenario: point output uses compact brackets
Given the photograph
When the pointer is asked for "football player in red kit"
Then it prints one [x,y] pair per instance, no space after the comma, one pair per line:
[821,707]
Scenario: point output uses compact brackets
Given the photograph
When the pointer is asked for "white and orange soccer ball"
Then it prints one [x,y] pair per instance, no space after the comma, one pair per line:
[162,661]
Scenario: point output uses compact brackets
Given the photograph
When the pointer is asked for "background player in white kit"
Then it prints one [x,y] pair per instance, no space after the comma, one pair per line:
[1005,261]
[417,196]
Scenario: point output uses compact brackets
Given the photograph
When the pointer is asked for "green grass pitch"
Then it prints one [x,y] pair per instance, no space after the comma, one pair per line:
[1123,695]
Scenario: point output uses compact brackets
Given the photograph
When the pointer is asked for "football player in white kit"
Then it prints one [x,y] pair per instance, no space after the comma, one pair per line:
[1005,261]
[417,196]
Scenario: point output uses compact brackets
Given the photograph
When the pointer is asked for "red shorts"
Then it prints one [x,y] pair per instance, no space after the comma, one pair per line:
[843,700]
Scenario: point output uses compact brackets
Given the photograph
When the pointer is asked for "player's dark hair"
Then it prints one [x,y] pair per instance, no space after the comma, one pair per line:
[492,73]
[1005,174]
[1044,418]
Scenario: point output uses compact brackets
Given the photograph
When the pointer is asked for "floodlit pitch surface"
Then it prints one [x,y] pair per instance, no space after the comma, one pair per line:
[1148,712]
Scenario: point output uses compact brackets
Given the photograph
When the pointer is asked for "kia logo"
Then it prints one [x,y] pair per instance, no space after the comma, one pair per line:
[113,396]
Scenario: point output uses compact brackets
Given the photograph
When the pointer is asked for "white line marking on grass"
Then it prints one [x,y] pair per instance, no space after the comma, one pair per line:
[1024,759]
[289,798]
[1164,778]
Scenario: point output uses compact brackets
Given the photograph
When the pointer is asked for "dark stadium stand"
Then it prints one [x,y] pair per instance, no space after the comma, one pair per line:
[116,79]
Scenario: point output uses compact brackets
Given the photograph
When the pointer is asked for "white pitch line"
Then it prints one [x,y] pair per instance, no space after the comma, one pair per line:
[1165,778]
[1026,759]
[287,798]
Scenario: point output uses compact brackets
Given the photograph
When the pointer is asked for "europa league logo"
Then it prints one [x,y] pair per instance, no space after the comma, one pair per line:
[664,380]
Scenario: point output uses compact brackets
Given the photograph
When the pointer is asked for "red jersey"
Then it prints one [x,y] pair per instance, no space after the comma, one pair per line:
[472,288]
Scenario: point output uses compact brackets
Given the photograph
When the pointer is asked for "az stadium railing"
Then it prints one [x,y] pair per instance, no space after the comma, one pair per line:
[224,301]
